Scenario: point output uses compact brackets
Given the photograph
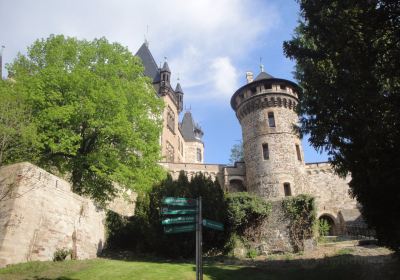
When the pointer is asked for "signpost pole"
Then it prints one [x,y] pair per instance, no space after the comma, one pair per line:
[197,240]
[200,239]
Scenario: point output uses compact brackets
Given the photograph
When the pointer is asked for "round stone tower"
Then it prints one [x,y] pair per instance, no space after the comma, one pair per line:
[273,154]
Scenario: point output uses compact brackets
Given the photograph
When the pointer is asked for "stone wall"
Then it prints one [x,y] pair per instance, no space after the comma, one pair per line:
[191,151]
[41,215]
[331,192]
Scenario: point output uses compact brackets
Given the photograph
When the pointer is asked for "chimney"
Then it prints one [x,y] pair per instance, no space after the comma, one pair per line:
[249,77]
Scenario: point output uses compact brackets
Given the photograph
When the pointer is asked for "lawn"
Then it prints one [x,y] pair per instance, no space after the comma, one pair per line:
[339,267]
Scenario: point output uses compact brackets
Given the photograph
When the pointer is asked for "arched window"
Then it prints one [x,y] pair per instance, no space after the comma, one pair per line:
[287,189]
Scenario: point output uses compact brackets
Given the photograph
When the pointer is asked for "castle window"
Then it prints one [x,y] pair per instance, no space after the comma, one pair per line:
[253,90]
[267,86]
[170,152]
[286,189]
[271,119]
[298,152]
[283,87]
[199,154]
[265,151]
[170,119]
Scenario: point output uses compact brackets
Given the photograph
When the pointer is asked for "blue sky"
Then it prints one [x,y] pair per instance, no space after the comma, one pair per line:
[209,44]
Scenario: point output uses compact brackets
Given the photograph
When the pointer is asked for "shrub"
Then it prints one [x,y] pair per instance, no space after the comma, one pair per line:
[323,227]
[61,254]
[302,214]
[245,212]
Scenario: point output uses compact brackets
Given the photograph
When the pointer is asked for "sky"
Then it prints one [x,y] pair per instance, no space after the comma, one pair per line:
[209,46]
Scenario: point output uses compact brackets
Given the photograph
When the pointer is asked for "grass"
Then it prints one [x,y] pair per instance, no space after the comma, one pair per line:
[338,267]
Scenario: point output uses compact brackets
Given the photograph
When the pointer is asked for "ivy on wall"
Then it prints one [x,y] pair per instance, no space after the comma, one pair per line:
[301,211]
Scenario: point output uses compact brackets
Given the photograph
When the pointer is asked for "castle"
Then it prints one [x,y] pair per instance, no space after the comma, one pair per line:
[41,214]
[273,166]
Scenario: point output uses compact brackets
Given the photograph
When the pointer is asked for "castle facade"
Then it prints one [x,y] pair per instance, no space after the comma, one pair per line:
[273,166]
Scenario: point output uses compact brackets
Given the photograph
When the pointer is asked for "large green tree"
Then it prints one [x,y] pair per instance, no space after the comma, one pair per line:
[97,116]
[348,64]
[17,130]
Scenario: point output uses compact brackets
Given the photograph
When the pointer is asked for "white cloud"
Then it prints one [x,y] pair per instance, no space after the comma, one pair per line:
[224,76]
[202,39]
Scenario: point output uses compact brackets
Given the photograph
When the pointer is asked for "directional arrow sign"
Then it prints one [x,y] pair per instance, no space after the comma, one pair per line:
[168,211]
[178,220]
[213,224]
[179,229]
[179,201]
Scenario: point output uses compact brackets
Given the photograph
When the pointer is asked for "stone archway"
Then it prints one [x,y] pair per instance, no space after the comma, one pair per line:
[331,221]
[236,185]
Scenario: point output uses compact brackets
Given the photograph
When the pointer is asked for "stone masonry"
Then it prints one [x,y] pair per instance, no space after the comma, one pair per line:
[41,215]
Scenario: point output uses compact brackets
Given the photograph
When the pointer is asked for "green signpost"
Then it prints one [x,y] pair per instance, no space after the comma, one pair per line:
[179,229]
[172,211]
[179,220]
[213,224]
[179,201]
[188,207]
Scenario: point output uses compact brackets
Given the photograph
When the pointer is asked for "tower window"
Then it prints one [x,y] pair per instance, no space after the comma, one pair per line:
[271,119]
[265,151]
[283,87]
[198,154]
[267,86]
[286,189]
[253,90]
[298,152]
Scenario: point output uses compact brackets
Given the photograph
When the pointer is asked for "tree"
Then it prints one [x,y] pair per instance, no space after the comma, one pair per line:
[17,131]
[144,231]
[347,55]
[236,153]
[97,116]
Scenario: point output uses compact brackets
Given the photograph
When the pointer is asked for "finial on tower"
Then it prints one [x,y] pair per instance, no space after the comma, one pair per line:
[261,65]
[146,36]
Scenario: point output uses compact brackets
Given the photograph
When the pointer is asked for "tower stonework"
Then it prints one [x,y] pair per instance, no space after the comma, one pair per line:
[266,110]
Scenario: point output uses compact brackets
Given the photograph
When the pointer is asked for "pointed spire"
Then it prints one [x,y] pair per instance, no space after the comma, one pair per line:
[165,67]
[178,88]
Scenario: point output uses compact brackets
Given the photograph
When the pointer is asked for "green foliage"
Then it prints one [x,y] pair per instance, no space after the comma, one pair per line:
[348,59]
[144,232]
[252,253]
[301,211]
[17,131]
[61,254]
[323,227]
[236,153]
[246,212]
[96,114]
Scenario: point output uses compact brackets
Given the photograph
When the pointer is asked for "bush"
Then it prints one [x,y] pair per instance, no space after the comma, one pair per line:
[301,211]
[323,227]
[144,233]
[61,254]
[245,212]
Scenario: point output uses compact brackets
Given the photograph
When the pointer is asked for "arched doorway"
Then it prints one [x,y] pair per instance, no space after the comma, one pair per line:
[236,185]
[328,220]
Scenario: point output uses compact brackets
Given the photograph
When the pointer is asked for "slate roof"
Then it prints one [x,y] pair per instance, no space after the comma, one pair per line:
[263,75]
[165,68]
[178,88]
[151,69]
[190,131]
